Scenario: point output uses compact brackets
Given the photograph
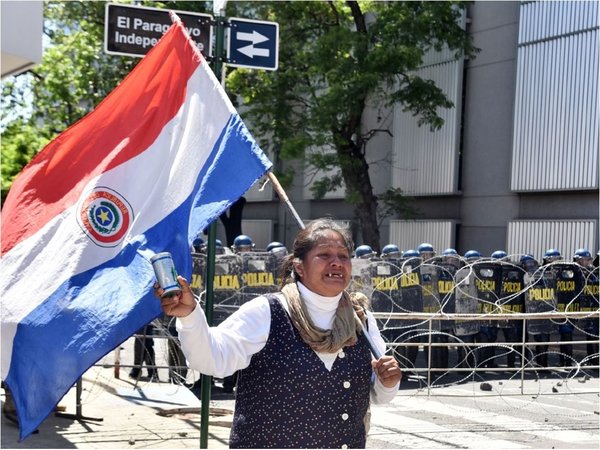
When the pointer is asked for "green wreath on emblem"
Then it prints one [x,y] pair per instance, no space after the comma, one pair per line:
[95,223]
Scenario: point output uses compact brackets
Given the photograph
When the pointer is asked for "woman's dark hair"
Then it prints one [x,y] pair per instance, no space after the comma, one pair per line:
[306,240]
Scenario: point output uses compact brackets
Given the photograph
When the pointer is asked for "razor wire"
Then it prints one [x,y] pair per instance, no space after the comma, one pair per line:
[419,329]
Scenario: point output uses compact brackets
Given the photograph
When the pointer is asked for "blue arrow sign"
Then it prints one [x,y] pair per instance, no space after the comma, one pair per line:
[253,44]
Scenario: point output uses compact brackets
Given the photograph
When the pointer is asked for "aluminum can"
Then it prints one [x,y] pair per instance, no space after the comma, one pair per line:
[165,272]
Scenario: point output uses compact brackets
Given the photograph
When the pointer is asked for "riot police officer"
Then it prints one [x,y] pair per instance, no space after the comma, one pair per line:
[432,303]
[488,282]
[539,297]
[279,251]
[466,303]
[589,302]
[411,300]
[449,264]
[511,301]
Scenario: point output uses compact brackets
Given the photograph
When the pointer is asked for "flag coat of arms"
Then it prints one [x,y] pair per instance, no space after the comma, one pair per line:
[157,161]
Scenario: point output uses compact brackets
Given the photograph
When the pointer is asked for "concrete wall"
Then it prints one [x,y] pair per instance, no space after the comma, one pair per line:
[487,203]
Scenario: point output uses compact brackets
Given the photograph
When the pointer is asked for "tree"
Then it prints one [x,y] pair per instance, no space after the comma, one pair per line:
[335,59]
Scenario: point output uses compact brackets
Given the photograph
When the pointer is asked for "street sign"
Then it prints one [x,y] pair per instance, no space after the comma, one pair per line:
[134,30]
[253,44]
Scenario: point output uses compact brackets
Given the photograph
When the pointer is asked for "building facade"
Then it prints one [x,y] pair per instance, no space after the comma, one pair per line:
[514,167]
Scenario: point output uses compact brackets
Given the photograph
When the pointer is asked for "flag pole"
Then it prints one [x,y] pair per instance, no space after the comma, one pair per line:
[284,198]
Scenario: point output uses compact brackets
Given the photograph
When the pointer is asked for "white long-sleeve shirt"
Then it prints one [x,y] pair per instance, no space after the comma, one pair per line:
[222,350]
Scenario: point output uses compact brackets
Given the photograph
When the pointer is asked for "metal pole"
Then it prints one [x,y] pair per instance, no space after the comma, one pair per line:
[206,380]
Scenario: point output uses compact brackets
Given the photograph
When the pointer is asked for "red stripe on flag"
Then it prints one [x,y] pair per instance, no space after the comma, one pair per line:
[121,127]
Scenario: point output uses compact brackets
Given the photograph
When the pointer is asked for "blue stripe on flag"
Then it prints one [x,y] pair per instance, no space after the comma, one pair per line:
[93,312]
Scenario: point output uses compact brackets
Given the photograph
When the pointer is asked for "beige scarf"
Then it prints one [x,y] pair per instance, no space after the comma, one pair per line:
[345,328]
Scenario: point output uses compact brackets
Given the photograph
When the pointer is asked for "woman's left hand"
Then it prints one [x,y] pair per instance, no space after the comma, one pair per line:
[387,370]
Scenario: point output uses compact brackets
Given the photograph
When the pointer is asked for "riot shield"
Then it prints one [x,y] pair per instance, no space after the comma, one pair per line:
[198,273]
[410,300]
[589,301]
[466,301]
[431,296]
[569,286]
[446,284]
[384,277]
[411,293]
[227,286]
[488,282]
[511,294]
[259,274]
[360,277]
[540,297]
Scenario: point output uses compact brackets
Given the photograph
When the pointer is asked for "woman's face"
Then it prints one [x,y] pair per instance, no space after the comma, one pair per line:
[326,268]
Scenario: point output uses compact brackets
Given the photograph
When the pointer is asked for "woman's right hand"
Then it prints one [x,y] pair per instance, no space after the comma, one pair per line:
[180,304]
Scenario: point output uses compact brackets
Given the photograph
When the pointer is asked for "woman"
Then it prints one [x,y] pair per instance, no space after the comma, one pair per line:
[306,369]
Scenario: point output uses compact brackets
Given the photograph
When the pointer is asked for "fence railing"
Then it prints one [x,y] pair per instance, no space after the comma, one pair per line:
[527,363]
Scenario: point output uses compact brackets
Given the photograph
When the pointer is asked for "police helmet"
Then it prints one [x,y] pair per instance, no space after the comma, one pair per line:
[273,245]
[450,256]
[528,263]
[364,252]
[583,257]
[277,248]
[499,254]
[426,250]
[410,254]
[551,255]
[243,243]
[472,255]
[390,251]
[198,244]
[219,249]
[582,253]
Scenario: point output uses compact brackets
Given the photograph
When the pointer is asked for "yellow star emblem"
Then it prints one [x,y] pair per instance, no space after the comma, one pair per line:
[103,216]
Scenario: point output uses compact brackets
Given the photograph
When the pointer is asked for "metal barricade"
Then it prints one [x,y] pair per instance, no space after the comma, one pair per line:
[525,356]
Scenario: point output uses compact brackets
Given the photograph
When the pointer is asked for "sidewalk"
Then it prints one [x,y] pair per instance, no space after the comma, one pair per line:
[149,415]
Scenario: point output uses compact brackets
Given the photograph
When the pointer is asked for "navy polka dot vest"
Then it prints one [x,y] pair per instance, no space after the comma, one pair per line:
[286,397]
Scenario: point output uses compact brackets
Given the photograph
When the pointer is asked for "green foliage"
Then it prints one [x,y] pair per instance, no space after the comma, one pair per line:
[394,203]
[20,143]
[74,76]
[334,56]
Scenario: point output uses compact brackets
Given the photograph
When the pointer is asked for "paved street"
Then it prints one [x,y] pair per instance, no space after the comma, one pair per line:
[552,412]
[464,416]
